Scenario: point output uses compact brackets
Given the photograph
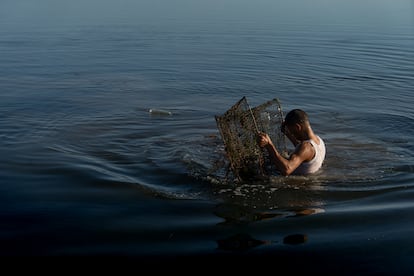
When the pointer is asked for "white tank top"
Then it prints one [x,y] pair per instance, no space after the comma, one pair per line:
[316,163]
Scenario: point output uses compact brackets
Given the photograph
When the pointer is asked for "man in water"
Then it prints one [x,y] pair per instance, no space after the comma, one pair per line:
[309,152]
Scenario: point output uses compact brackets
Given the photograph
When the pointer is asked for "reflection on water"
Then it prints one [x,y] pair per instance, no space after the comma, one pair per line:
[287,195]
[244,242]
[295,239]
[237,214]
[277,198]
[239,242]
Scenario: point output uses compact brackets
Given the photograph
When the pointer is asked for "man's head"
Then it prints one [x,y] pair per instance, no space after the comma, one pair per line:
[296,116]
[296,122]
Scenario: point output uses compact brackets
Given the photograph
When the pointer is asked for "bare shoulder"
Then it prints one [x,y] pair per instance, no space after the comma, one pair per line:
[306,151]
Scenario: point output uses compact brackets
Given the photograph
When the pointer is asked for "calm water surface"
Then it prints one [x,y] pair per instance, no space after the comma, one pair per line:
[87,170]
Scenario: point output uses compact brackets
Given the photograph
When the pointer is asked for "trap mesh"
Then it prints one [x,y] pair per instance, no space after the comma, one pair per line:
[238,128]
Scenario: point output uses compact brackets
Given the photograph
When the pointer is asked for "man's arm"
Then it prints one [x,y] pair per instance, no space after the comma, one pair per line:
[285,166]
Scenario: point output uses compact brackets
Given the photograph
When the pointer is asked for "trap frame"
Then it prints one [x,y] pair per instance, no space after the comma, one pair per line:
[239,127]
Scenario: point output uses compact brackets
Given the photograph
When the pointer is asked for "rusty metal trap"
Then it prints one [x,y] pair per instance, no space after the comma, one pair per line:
[238,128]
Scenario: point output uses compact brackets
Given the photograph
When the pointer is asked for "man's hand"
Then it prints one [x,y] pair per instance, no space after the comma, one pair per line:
[263,139]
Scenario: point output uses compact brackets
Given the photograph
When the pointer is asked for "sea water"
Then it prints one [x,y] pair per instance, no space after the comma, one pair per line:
[86,169]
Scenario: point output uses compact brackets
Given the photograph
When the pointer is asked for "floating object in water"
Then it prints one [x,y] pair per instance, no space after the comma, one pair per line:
[159,112]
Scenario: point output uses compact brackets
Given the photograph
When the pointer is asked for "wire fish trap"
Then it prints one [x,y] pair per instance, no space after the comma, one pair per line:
[238,128]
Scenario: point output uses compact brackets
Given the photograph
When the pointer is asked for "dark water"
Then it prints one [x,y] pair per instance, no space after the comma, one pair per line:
[87,170]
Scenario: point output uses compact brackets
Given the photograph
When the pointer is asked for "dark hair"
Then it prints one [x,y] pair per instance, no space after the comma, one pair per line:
[296,116]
